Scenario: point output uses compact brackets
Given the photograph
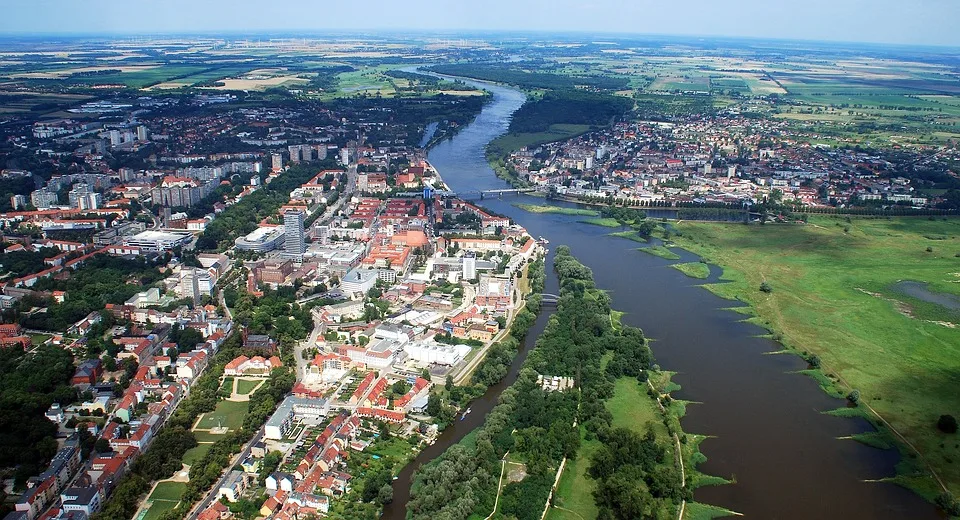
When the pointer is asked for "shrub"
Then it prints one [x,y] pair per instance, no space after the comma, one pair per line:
[854,396]
[765,287]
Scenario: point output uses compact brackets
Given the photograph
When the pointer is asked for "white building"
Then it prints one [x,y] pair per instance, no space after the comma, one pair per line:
[157,240]
[426,353]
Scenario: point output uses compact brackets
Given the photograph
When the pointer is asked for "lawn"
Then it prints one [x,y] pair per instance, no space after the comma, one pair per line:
[534,208]
[246,386]
[693,269]
[833,295]
[228,413]
[171,491]
[196,453]
[227,385]
[157,509]
[208,437]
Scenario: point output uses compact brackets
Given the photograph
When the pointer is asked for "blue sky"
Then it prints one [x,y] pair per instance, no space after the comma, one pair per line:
[888,21]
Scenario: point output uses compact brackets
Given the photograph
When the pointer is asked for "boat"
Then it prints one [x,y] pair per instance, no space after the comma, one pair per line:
[543,240]
[464,415]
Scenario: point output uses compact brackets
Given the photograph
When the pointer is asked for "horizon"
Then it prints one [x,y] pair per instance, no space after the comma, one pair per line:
[925,23]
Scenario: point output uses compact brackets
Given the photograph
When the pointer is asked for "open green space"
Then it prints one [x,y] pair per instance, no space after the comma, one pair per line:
[534,208]
[157,509]
[603,222]
[171,491]
[229,414]
[693,269]
[832,295]
[207,437]
[246,386]
[660,251]
[227,385]
[196,453]
[574,496]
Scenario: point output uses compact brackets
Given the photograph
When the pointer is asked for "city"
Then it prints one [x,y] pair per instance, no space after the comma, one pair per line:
[253,270]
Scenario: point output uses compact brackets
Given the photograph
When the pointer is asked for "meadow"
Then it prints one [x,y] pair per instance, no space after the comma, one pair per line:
[833,296]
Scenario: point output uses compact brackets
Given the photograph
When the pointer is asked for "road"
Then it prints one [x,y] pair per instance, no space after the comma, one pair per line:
[211,495]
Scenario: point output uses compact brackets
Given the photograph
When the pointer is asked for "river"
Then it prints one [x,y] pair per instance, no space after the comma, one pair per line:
[765,422]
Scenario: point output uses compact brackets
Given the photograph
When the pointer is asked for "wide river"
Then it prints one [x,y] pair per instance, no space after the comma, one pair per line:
[767,429]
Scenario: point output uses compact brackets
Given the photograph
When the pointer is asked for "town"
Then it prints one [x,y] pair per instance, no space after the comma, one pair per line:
[725,160]
[344,267]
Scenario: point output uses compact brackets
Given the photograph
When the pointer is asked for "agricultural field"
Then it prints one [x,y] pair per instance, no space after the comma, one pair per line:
[877,301]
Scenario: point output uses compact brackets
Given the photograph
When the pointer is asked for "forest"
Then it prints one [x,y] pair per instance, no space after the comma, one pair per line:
[576,107]
[536,426]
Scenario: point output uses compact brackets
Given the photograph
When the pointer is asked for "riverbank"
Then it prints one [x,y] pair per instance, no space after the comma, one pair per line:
[830,298]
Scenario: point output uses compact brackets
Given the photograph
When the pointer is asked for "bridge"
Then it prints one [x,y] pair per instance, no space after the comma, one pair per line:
[549,299]
[470,194]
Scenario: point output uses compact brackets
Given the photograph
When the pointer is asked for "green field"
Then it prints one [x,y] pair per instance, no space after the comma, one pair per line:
[632,408]
[246,386]
[833,295]
[227,385]
[603,222]
[533,208]
[660,251]
[693,269]
[164,498]
[228,413]
[196,453]
[171,491]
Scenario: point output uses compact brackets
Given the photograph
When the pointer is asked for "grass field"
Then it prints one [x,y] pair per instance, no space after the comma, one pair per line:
[693,269]
[533,208]
[171,491]
[228,413]
[196,453]
[833,295]
[246,386]
[660,251]
[603,222]
[632,408]
[164,498]
[227,385]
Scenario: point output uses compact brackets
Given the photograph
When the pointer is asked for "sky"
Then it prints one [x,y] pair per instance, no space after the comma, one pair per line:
[919,22]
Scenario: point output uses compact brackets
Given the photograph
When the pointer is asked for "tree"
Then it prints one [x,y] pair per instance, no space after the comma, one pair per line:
[765,287]
[385,494]
[448,385]
[425,374]
[102,446]
[854,396]
[947,424]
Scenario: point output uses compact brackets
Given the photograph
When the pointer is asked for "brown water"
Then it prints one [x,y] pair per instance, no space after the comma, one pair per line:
[765,422]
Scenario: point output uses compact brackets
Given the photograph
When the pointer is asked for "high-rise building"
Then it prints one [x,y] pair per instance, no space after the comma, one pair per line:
[469,266]
[44,198]
[294,244]
[127,174]
[731,172]
[82,197]
[190,284]
[344,156]
[276,162]
[143,133]
[18,202]
[115,138]
[707,169]
[323,234]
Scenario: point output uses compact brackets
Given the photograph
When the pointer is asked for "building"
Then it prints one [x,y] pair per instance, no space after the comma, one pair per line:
[18,202]
[435,353]
[143,133]
[44,198]
[276,162]
[84,499]
[358,282]
[234,486]
[294,244]
[292,409]
[257,366]
[469,266]
[88,373]
[190,283]
[155,241]
[261,240]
